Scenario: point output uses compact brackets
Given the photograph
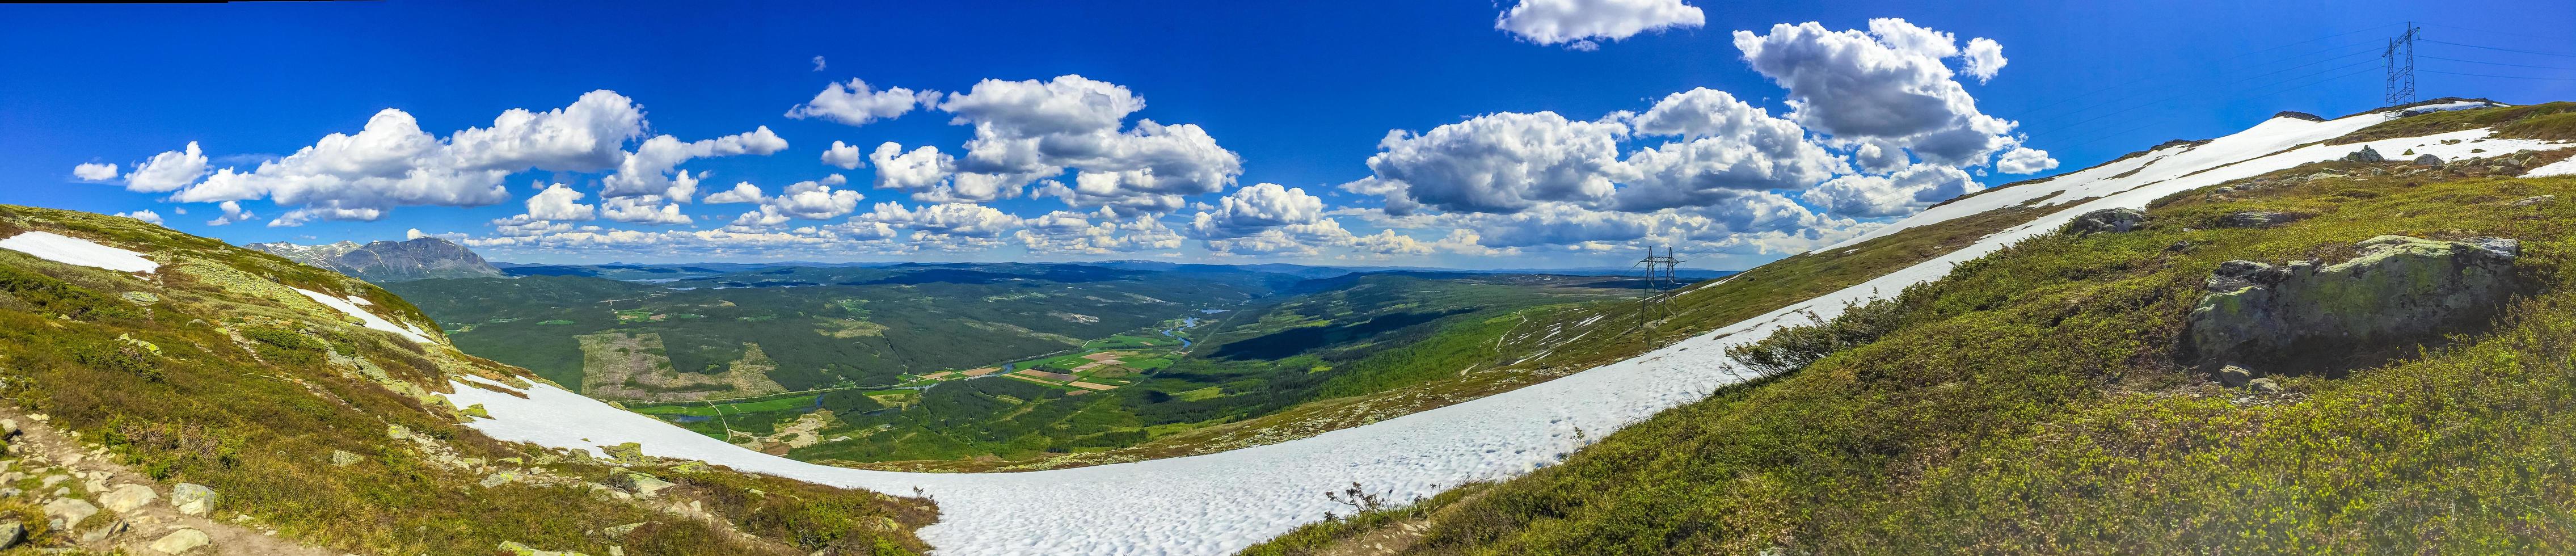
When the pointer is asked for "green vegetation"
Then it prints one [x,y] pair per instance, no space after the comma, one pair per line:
[230,381]
[2556,121]
[2032,402]
[823,325]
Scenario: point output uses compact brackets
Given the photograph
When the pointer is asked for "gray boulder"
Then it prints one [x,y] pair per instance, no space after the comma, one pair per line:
[70,510]
[11,533]
[2399,290]
[2106,220]
[2366,154]
[2428,160]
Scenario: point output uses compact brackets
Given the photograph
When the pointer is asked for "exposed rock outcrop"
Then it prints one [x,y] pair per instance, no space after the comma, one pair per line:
[2399,290]
[2106,220]
[2366,154]
[2429,160]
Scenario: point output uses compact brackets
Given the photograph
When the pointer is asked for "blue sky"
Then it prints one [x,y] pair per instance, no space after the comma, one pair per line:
[1301,95]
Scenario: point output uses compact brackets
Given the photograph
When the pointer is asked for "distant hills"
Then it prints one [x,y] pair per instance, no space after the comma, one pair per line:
[388,261]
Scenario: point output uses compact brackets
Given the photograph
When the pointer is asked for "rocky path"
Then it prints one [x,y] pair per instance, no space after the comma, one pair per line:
[93,504]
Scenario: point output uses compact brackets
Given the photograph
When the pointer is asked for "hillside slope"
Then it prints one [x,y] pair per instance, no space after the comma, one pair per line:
[311,405]
[2042,397]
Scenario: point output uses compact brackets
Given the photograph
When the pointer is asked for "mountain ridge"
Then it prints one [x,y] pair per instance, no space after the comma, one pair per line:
[387,261]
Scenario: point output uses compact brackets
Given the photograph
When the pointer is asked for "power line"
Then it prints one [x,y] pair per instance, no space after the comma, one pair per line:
[2500,63]
[2070,98]
[2503,49]
[2494,32]
[2503,76]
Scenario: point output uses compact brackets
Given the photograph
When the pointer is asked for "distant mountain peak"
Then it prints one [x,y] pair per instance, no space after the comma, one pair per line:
[388,261]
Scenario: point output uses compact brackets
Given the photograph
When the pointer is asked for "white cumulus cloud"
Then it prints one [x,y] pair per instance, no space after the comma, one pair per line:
[93,171]
[855,103]
[1579,23]
[843,155]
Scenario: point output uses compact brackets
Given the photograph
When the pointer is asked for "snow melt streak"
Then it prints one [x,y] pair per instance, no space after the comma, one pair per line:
[1218,503]
[350,307]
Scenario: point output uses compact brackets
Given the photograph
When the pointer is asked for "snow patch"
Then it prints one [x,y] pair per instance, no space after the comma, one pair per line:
[2559,168]
[76,251]
[351,307]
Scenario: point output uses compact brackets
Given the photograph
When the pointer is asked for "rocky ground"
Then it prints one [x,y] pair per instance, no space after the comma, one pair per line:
[91,504]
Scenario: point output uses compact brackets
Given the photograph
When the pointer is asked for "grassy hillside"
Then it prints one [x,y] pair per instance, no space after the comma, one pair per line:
[210,371]
[2033,402]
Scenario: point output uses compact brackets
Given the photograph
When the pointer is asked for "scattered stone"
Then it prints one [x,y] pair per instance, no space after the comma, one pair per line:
[11,533]
[631,453]
[2400,289]
[70,510]
[500,478]
[9,428]
[2366,154]
[181,541]
[2525,202]
[516,549]
[125,498]
[2429,160]
[2232,375]
[104,532]
[398,432]
[2106,220]
[194,499]
[2255,219]
[2265,385]
[641,484]
[50,481]
[342,458]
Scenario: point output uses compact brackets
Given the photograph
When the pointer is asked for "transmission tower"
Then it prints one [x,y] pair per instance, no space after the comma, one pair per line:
[2400,60]
[1651,308]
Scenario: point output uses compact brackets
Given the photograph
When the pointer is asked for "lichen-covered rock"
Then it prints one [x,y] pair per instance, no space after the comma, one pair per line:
[641,484]
[181,541]
[2106,220]
[127,497]
[2399,289]
[344,458]
[2265,385]
[194,499]
[2255,219]
[2232,375]
[2366,154]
